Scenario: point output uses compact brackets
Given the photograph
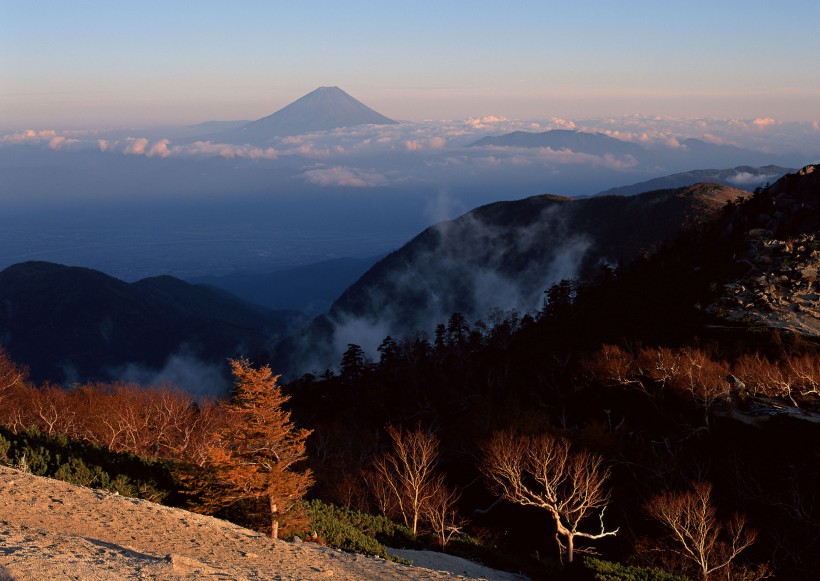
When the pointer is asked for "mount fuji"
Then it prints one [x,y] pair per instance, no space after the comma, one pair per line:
[324,109]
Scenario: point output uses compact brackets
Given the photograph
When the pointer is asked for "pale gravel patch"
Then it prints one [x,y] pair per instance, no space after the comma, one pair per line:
[455,565]
[54,530]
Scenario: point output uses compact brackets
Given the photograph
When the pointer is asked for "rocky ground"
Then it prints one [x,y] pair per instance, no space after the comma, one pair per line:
[53,530]
[782,259]
[782,291]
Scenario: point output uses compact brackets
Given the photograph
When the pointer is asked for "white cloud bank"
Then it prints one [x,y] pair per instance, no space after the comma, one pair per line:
[364,156]
[341,176]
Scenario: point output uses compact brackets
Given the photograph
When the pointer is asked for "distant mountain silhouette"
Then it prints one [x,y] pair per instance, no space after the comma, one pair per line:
[744,177]
[558,139]
[207,128]
[688,153]
[76,324]
[311,288]
[700,153]
[324,109]
[520,248]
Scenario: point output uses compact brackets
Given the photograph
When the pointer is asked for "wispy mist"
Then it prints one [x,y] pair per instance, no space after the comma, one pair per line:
[472,266]
[181,369]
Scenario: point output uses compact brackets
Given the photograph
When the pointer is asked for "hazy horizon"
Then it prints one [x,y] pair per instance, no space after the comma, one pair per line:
[95,64]
[100,166]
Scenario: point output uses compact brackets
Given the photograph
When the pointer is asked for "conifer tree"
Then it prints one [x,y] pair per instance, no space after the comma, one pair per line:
[257,452]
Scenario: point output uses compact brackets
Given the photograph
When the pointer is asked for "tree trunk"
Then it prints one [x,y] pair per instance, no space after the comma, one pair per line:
[274,519]
[570,548]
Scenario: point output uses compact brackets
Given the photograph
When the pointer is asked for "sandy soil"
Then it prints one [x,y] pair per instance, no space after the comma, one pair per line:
[53,530]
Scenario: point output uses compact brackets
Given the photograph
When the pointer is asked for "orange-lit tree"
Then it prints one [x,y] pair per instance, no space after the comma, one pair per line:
[13,382]
[255,455]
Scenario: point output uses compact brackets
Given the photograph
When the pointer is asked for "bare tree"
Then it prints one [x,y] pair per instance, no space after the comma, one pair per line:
[660,364]
[408,471]
[615,366]
[441,513]
[696,534]
[764,377]
[703,379]
[381,493]
[44,408]
[805,370]
[540,471]
[14,388]
[11,374]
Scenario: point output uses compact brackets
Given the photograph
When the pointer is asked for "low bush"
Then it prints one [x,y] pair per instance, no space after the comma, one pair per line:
[354,531]
[608,571]
[89,465]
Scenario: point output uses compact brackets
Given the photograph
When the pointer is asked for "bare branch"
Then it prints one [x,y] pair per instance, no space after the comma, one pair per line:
[696,533]
[540,471]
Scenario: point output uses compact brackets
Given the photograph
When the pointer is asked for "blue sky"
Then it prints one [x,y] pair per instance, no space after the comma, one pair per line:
[101,63]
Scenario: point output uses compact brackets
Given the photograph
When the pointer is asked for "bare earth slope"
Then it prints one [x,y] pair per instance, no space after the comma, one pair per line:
[53,530]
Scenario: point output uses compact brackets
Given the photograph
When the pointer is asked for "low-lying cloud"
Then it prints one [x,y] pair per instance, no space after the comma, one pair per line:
[763,122]
[517,156]
[225,150]
[746,179]
[761,133]
[181,369]
[29,136]
[423,144]
[421,158]
[135,146]
[346,177]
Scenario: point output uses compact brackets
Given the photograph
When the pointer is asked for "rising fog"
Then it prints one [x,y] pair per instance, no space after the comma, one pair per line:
[470,266]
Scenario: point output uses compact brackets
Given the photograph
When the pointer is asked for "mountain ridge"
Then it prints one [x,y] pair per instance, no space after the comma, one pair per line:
[687,153]
[775,241]
[309,288]
[742,176]
[504,256]
[77,324]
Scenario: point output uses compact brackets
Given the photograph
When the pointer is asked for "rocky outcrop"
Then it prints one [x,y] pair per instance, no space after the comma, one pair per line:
[782,259]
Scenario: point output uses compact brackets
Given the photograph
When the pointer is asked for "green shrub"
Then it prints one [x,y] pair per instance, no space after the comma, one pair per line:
[354,531]
[87,464]
[5,446]
[37,459]
[608,571]
[76,472]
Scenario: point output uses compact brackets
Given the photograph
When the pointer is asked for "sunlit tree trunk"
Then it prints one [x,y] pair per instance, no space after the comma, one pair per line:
[540,471]
[408,471]
[274,518]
